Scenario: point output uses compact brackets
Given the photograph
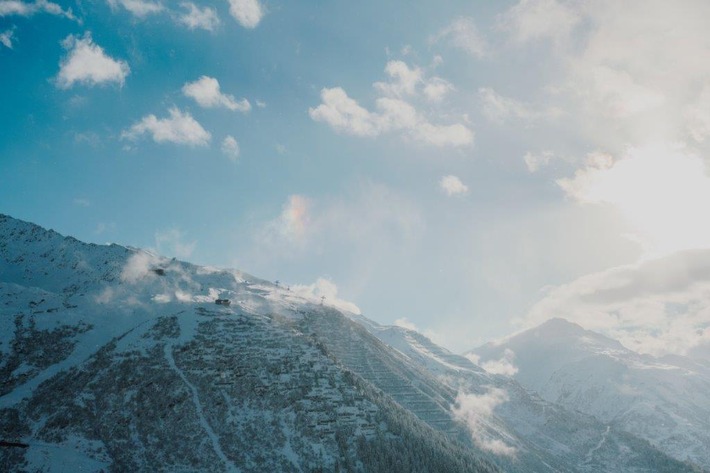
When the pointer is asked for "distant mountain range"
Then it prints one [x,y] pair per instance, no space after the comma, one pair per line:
[663,400]
[116,359]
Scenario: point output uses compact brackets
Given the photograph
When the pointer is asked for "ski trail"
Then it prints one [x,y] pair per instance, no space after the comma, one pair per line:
[590,453]
[200,413]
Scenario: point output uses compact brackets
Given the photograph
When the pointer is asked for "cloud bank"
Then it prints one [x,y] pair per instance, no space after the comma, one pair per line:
[659,306]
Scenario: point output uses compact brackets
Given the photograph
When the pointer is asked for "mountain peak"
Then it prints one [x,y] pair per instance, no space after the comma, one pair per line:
[561,327]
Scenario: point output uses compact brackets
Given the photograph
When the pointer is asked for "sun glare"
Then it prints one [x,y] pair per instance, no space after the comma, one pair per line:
[663,191]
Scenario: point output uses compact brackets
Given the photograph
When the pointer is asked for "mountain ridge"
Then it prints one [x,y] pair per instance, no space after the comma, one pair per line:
[663,400]
[123,359]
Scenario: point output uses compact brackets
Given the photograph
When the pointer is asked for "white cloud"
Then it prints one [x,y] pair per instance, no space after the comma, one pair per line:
[505,366]
[406,323]
[501,109]
[662,190]
[137,267]
[90,138]
[697,116]
[345,115]
[437,88]
[462,33]
[403,80]
[452,185]
[658,306]
[206,92]
[456,135]
[81,202]
[535,161]
[6,38]
[16,7]
[230,147]
[198,18]
[393,114]
[248,13]
[87,63]
[326,291]
[531,20]
[473,358]
[179,128]
[624,81]
[620,95]
[172,242]
[475,410]
[139,8]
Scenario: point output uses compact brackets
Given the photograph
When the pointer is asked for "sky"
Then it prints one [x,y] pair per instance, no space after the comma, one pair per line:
[465,168]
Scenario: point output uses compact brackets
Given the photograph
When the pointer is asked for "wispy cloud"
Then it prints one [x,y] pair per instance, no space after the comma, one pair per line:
[19,8]
[206,92]
[462,33]
[452,185]
[697,116]
[501,109]
[138,266]
[248,13]
[475,410]
[138,8]
[86,63]
[504,366]
[230,147]
[536,161]
[172,242]
[7,37]
[198,18]
[531,20]
[179,128]
[325,291]
[406,323]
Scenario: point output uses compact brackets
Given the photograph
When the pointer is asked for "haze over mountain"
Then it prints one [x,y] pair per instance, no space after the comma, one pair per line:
[663,400]
[115,358]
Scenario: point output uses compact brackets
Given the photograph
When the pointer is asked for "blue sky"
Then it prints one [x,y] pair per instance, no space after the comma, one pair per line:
[467,168]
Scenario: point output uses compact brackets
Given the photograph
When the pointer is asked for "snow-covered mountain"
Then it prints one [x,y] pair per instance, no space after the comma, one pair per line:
[663,400]
[112,358]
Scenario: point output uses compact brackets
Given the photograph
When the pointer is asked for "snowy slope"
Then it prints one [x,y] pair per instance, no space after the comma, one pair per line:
[665,401]
[114,358]
[545,436]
